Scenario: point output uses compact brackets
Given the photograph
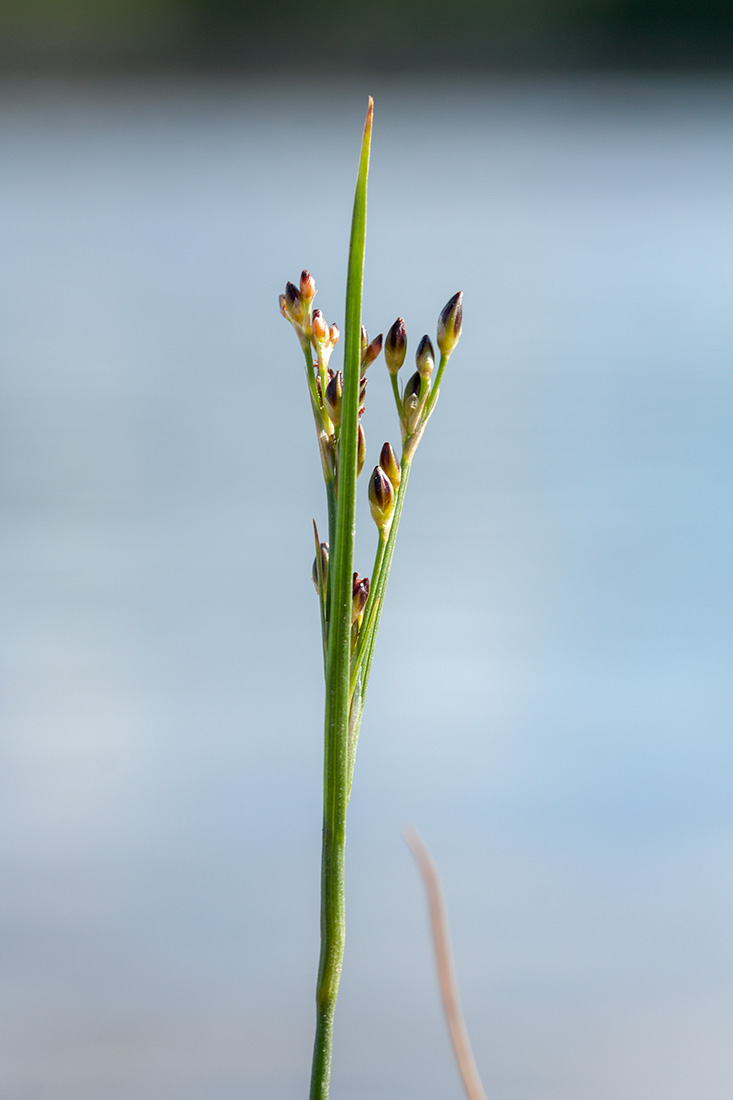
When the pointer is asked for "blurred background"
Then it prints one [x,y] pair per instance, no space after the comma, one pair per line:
[551,700]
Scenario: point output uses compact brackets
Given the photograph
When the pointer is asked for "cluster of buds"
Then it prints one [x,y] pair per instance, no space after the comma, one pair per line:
[325,385]
[295,305]
[415,401]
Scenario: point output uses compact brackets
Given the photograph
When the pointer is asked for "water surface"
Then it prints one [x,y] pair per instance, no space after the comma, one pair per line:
[551,700]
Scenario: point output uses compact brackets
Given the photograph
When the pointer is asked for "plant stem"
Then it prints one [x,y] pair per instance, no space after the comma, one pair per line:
[338,658]
[363,657]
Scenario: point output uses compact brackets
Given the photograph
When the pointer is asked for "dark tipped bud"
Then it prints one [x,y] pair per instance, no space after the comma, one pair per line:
[362,393]
[450,323]
[411,402]
[389,463]
[324,568]
[360,450]
[307,286]
[425,358]
[360,594]
[381,498]
[395,346]
[328,455]
[294,303]
[371,352]
[412,389]
[321,333]
[334,393]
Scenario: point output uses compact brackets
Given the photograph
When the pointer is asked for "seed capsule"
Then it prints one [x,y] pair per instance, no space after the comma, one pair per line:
[450,323]
[395,346]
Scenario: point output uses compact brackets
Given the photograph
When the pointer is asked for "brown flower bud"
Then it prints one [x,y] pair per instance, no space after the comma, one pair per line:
[360,450]
[395,346]
[389,463]
[450,323]
[294,304]
[324,568]
[371,352]
[381,498]
[360,594]
[411,403]
[425,358]
[320,328]
[334,393]
[307,286]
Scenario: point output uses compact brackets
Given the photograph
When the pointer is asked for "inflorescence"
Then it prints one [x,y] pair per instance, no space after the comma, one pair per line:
[415,401]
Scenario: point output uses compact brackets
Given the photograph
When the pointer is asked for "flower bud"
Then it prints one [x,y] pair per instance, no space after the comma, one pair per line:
[362,393]
[307,286]
[389,463]
[320,328]
[328,455]
[334,393]
[294,304]
[360,594]
[411,402]
[324,568]
[381,498]
[395,346]
[360,450]
[412,389]
[364,341]
[449,324]
[333,332]
[371,352]
[425,358]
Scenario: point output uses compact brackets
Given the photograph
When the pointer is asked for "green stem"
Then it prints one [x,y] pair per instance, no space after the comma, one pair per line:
[396,393]
[435,388]
[369,611]
[311,378]
[364,655]
[338,661]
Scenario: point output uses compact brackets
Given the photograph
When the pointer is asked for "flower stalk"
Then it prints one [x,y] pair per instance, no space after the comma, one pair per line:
[351,605]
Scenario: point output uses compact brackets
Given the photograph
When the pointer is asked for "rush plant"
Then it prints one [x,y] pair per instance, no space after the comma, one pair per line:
[351,605]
